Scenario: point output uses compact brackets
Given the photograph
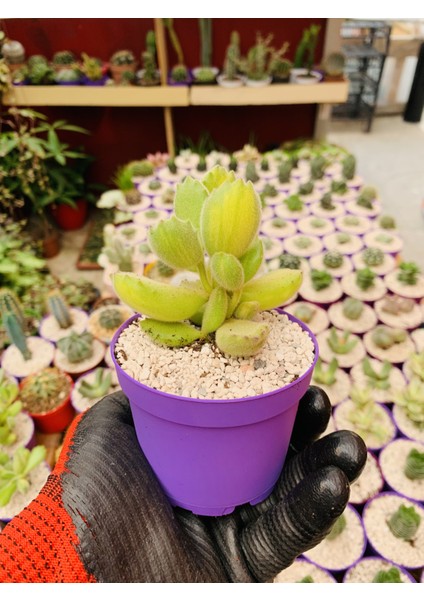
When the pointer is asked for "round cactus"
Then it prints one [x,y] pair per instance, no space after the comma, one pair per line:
[132,197]
[141,168]
[317,223]
[288,261]
[76,347]
[179,73]
[343,237]
[352,308]
[333,259]
[373,257]
[351,221]
[339,187]
[365,278]
[111,318]
[320,279]
[334,64]
[155,185]
[326,202]
[304,313]
[303,242]
[387,222]
[306,188]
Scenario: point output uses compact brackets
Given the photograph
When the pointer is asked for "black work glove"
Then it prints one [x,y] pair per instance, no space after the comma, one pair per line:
[126,530]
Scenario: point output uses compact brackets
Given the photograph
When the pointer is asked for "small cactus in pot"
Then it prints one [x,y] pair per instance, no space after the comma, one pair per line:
[387,222]
[76,347]
[251,173]
[306,188]
[333,259]
[341,343]
[373,257]
[284,171]
[404,523]
[414,465]
[339,187]
[366,197]
[289,261]
[365,278]
[349,167]
[408,273]
[111,318]
[44,391]
[10,407]
[386,337]
[58,307]
[320,279]
[99,387]
[352,308]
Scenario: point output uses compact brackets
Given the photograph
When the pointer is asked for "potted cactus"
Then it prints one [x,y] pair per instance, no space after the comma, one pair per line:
[366,204]
[394,526]
[230,76]
[363,284]
[315,226]
[396,311]
[63,60]
[206,73]
[319,286]
[373,569]
[389,343]
[346,347]
[122,66]
[278,227]
[387,241]
[402,464]
[256,64]
[69,76]
[353,224]
[21,478]
[304,58]
[334,261]
[346,243]
[93,70]
[374,258]
[105,320]
[292,208]
[303,571]
[383,378]
[149,75]
[326,208]
[91,387]
[61,318]
[414,366]
[46,396]
[302,245]
[352,315]
[180,74]
[333,66]
[406,281]
[223,316]
[16,426]
[78,353]
[408,410]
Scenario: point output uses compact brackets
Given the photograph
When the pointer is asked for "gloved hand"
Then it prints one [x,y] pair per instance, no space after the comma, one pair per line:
[102,515]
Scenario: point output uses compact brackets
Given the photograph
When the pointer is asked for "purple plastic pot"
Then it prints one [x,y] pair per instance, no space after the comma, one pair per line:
[368,559]
[213,455]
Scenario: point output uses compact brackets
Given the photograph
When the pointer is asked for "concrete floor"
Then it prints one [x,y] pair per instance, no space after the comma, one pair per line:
[391,158]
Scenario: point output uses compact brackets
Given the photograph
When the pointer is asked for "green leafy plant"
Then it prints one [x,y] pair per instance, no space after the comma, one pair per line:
[99,387]
[15,472]
[414,465]
[404,522]
[9,409]
[320,279]
[411,399]
[76,347]
[364,415]
[408,273]
[325,376]
[377,380]
[227,295]
[391,575]
[333,259]
[342,342]
[373,257]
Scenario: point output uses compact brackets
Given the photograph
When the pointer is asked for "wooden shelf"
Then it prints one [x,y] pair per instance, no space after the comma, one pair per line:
[63,95]
[287,93]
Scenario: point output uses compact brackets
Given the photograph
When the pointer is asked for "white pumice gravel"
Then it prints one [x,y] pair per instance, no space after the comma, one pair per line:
[278,228]
[375,516]
[367,568]
[388,264]
[376,291]
[369,483]
[42,353]
[24,430]
[339,390]
[292,215]
[404,320]
[203,372]
[407,427]
[382,418]
[415,291]
[302,568]
[359,227]
[397,354]
[346,361]
[392,462]
[314,226]
[396,380]
[332,293]
[352,246]
[317,262]
[37,478]
[50,329]
[291,247]
[319,321]
[366,321]
[341,552]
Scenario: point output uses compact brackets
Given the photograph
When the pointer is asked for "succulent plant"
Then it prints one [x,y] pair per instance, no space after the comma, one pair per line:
[411,399]
[122,57]
[232,57]
[265,164]
[284,171]
[339,187]
[351,220]
[352,308]
[154,185]
[414,465]
[304,312]
[305,51]
[326,202]
[334,64]
[386,337]
[233,165]
[303,242]
[375,380]
[365,278]
[320,279]
[343,237]
[256,63]
[318,223]
[341,342]
[333,259]
[396,305]
[408,273]
[76,347]
[269,191]
[306,188]
[205,75]
[404,523]
[16,334]
[366,197]
[364,414]
[45,390]
[318,165]
[179,73]
[64,57]
[387,222]
[99,387]
[168,196]
[373,257]
[115,250]
[338,527]
[111,318]
[91,66]
[325,376]
[391,575]
[141,168]
[68,76]
[251,173]
[201,165]
[279,223]
[416,364]
[294,203]
[227,296]
[10,303]
[289,261]
[306,579]
[9,409]
[15,471]
[58,307]
[349,167]
[172,167]
[279,68]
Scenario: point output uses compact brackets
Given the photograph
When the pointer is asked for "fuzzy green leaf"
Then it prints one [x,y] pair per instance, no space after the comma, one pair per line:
[156,299]
[272,289]
[176,243]
[215,311]
[247,310]
[22,485]
[241,338]
[216,177]
[20,459]
[252,259]
[188,201]
[227,271]
[173,335]
[230,218]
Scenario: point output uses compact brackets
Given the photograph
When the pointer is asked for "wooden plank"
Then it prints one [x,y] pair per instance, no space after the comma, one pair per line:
[57,95]
[288,93]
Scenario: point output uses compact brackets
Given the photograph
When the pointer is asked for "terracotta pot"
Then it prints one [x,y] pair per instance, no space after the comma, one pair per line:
[117,71]
[69,218]
[51,245]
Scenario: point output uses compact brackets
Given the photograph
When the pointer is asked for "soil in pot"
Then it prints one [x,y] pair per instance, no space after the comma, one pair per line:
[303,571]
[369,567]
[369,483]
[42,353]
[401,463]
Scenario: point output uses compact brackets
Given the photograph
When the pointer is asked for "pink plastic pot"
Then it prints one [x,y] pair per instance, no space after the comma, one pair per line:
[213,455]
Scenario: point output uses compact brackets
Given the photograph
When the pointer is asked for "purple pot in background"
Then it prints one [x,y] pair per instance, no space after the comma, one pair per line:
[213,455]
[98,82]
